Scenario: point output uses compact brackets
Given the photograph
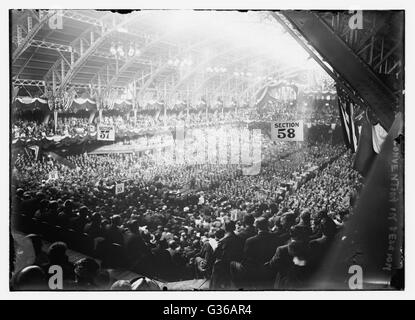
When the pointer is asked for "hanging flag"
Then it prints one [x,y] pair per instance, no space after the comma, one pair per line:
[365,155]
[91,117]
[346,110]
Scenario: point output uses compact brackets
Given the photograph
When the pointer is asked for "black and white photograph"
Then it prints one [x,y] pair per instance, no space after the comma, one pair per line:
[206,150]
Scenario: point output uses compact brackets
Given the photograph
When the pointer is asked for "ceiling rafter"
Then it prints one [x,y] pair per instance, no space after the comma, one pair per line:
[31,34]
[149,45]
[202,64]
[165,66]
[86,52]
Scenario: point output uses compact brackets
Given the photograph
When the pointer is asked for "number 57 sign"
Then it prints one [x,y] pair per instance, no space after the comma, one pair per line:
[287,131]
[105,133]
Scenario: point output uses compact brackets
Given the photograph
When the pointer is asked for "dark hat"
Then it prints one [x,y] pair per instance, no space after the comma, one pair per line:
[262,224]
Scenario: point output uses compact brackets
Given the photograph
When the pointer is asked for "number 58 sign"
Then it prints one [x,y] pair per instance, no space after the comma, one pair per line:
[105,133]
[287,131]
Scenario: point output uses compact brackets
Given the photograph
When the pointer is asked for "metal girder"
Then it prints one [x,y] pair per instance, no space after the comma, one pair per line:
[37,83]
[255,82]
[68,48]
[203,64]
[28,82]
[260,61]
[316,56]
[149,45]
[30,35]
[363,41]
[75,15]
[164,66]
[85,53]
[49,45]
[270,74]
[347,64]
[213,75]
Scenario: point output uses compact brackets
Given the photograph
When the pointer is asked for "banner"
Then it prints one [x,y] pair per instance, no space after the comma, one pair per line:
[365,155]
[346,111]
[30,100]
[119,188]
[287,131]
[105,132]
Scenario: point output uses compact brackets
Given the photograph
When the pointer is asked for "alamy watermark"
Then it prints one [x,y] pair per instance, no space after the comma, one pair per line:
[238,146]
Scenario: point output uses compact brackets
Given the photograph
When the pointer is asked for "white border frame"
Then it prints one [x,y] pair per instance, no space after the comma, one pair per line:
[408,293]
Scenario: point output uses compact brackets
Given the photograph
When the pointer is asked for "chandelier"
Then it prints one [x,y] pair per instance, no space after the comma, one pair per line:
[120,50]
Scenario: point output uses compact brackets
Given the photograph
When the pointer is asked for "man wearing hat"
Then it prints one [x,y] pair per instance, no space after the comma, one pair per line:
[257,250]
[248,230]
[230,248]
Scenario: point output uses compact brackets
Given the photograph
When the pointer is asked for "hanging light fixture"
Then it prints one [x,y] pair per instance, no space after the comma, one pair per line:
[131,50]
[120,50]
[112,49]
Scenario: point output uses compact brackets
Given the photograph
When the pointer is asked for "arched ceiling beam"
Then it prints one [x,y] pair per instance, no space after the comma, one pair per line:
[256,83]
[203,64]
[68,74]
[164,66]
[266,75]
[214,75]
[241,59]
[148,46]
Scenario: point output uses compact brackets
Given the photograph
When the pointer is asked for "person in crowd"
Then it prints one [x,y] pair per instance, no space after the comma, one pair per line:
[163,222]
[138,254]
[292,262]
[113,232]
[248,229]
[41,213]
[230,248]
[204,259]
[51,216]
[79,221]
[41,257]
[30,278]
[121,285]
[65,216]
[94,228]
[257,251]
[86,272]
[57,257]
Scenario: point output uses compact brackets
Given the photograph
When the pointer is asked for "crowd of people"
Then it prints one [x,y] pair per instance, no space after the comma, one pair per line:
[144,122]
[310,111]
[177,221]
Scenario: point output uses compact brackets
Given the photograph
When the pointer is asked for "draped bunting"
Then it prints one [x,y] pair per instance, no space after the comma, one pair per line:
[84,100]
[264,94]
[30,100]
[68,98]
